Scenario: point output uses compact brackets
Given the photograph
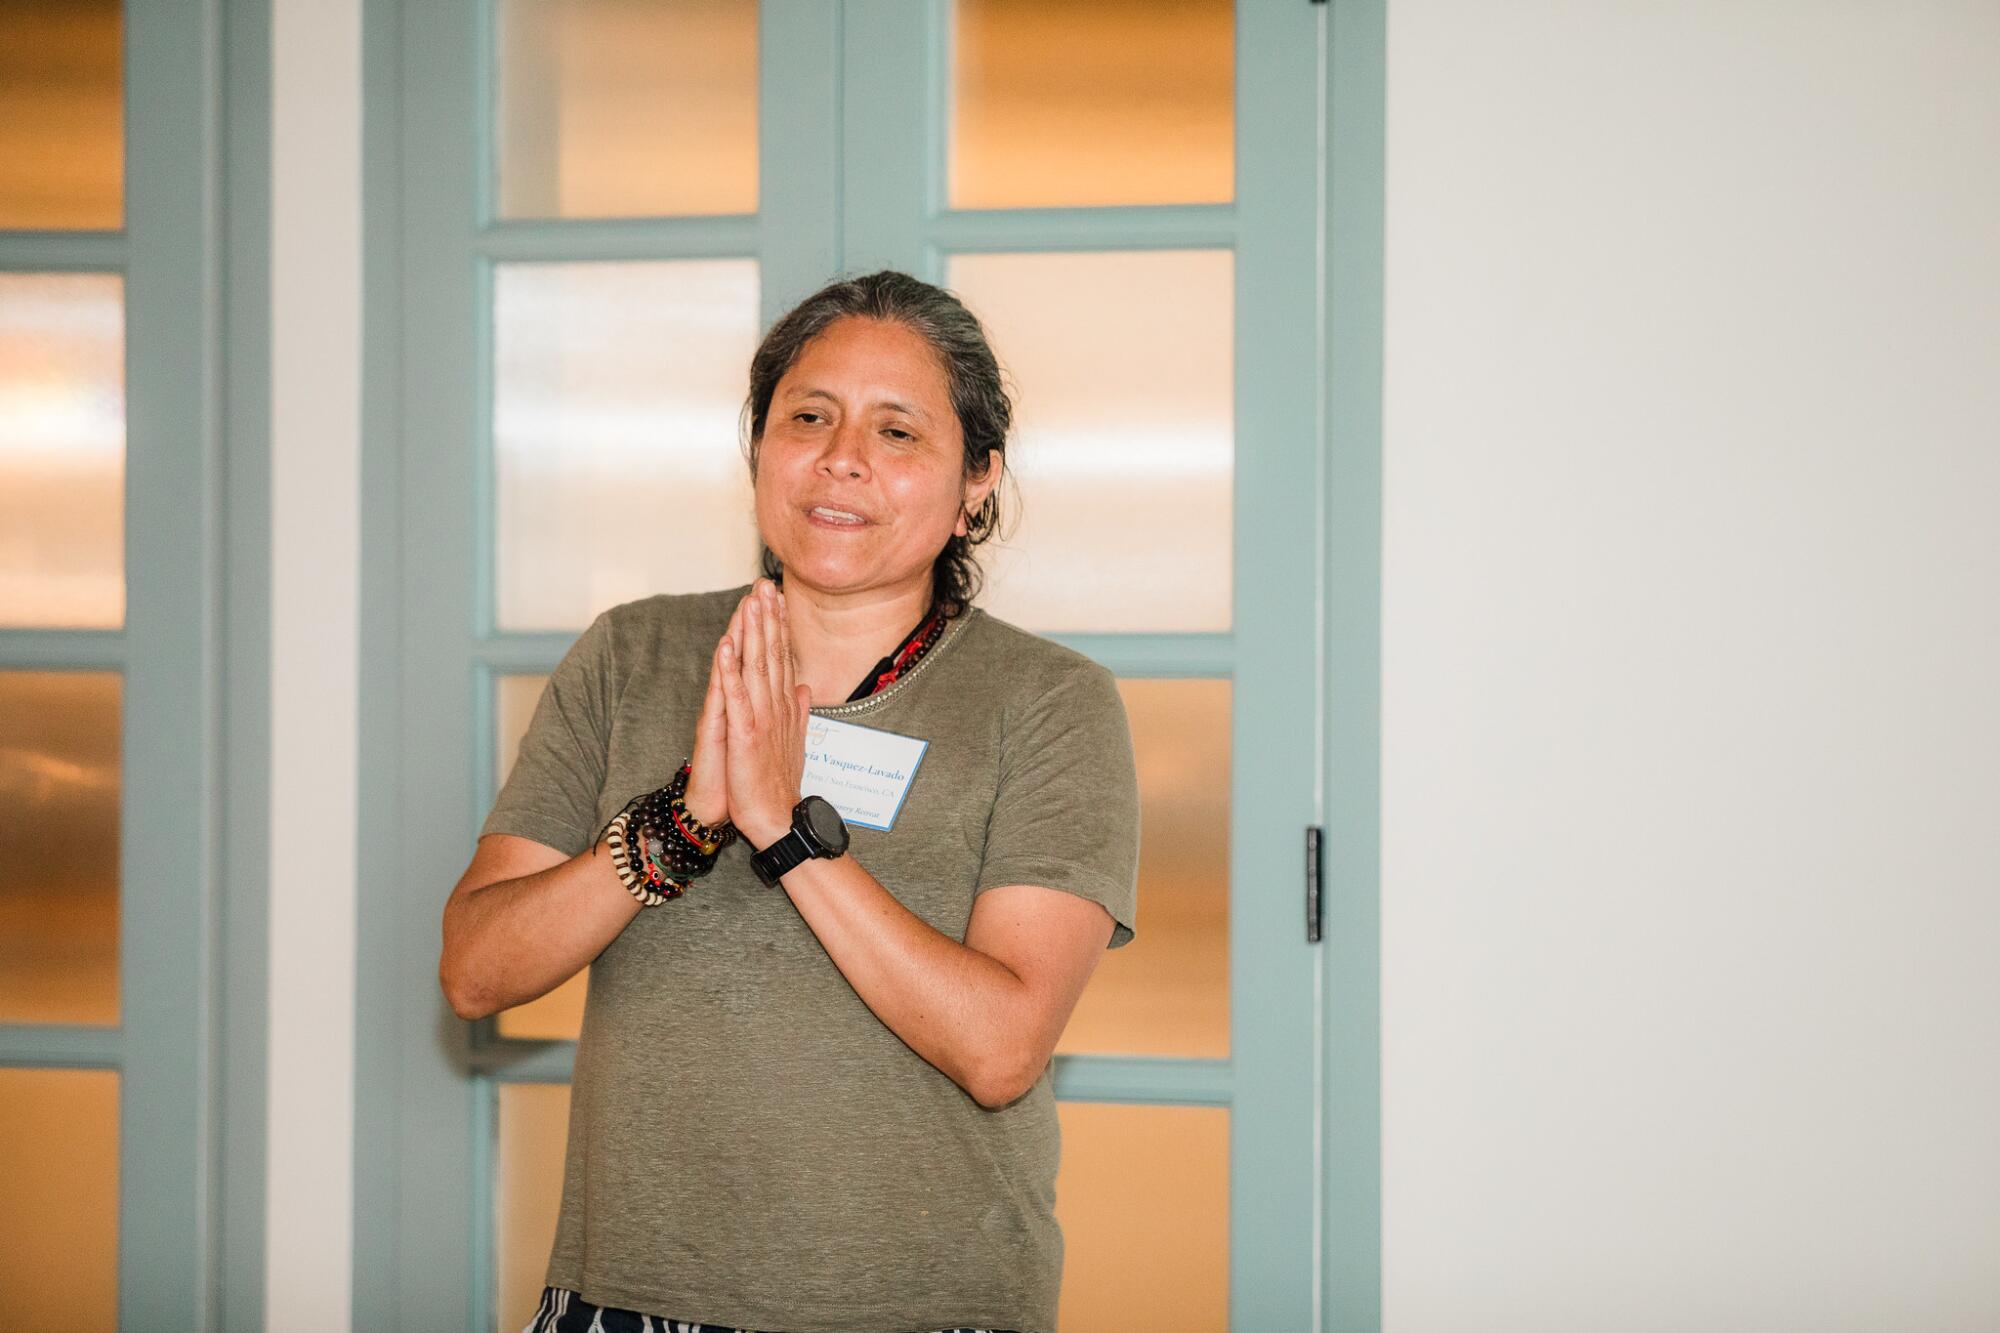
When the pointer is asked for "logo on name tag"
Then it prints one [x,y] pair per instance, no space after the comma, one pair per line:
[863,772]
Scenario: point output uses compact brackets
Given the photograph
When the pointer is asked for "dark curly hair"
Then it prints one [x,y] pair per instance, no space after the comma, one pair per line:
[984,405]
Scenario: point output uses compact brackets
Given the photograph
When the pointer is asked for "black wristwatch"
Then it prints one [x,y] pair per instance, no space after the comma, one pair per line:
[817,830]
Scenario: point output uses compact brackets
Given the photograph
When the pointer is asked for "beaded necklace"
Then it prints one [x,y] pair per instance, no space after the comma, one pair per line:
[915,644]
[890,668]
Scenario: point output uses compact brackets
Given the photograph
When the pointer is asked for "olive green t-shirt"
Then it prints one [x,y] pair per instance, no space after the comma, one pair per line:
[749,1145]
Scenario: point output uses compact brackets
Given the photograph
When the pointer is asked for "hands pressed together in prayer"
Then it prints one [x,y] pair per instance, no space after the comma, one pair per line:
[750,742]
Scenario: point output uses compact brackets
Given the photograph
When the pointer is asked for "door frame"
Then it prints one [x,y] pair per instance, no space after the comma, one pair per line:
[1302,1080]
[193,657]
[1353,86]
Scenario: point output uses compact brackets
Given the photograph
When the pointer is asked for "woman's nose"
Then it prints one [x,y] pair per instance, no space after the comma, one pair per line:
[846,451]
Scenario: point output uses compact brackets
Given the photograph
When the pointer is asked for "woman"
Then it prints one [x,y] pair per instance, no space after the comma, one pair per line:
[812,1090]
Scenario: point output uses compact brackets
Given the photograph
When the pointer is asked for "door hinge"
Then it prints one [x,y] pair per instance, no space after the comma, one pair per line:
[1315,870]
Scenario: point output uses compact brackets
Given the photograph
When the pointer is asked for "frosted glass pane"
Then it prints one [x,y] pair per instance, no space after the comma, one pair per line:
[59,1179]
[62,115]
[59,830]
[1167,992]
[623,108]
[1143,1200]
[557,1016]
[527,1194]
[619,473]
[1055,103]
[62,450]
[514,699]
[1125,448]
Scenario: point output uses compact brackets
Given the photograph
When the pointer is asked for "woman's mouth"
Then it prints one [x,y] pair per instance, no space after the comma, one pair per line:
[826,516]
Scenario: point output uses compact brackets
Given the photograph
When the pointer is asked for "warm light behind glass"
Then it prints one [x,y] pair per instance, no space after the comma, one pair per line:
[62,450]
[62,116]
[617,464]
[59,847]
[533,1126]
[626,108]
[1143,1200]
[59,1182]
[557,1016]
[1167,992]
[1125,444]
[1059,104]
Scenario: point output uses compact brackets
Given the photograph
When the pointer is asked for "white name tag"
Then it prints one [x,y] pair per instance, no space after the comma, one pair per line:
[863,772]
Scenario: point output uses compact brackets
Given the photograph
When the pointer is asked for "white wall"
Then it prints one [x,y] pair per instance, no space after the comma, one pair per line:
[1691,897]
[315,659]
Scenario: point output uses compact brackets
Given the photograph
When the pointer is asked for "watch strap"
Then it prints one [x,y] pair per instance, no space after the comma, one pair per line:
[781,856]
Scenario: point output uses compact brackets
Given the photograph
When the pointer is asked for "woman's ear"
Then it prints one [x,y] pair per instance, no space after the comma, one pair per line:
[979,487]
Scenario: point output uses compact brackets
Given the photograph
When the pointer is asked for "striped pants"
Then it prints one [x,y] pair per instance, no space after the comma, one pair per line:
[563,1311]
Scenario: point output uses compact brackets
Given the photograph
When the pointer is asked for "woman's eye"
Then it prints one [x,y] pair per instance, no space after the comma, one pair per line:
[901,434]
[801,416]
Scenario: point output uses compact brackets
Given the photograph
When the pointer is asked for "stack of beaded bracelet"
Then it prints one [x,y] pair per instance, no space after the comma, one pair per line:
[658,847]
[638,882]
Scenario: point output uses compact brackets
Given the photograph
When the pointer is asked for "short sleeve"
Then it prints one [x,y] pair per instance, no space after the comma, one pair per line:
[550,795]
[1066,815]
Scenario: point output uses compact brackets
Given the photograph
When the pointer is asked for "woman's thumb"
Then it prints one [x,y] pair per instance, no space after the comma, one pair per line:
[712,710]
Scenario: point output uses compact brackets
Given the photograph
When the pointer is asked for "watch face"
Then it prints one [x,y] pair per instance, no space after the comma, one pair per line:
[829,830]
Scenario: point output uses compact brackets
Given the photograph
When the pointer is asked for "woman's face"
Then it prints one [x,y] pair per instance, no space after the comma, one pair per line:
[860,477]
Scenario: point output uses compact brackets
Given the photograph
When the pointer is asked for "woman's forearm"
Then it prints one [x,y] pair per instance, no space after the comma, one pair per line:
[958,1008]
[517,939]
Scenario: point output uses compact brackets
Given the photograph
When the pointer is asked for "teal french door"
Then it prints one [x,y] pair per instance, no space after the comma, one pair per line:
[129,813]
[550,306]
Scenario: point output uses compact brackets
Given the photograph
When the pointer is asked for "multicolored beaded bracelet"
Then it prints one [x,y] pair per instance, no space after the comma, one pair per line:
[710,838]
[643,882]
[657,845]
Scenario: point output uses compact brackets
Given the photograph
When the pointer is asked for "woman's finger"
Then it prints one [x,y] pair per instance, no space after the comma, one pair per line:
[708,780]
[734,695]
[718,691]
[711,703]
[735,631]
[756,664]
[781,623]
[752,643]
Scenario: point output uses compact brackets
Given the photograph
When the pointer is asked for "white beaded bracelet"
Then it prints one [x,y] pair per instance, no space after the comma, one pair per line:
[614,837]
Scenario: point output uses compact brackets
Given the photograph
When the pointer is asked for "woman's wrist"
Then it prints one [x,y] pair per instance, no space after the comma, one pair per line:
[762,832]
[708,809]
